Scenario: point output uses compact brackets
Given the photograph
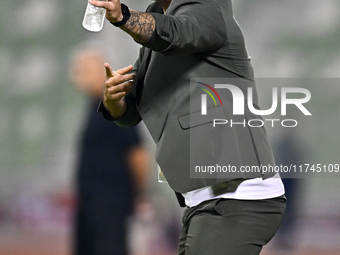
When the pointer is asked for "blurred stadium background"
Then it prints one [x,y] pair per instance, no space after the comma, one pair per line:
[41,113]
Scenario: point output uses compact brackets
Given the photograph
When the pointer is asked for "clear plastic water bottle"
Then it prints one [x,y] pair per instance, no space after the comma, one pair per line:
[94,18]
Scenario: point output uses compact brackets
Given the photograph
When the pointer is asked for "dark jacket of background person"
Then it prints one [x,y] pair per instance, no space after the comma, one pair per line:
[105,187]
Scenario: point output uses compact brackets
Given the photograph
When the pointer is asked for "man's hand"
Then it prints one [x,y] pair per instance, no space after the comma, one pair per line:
[117,85]
[140,25]
[113,9]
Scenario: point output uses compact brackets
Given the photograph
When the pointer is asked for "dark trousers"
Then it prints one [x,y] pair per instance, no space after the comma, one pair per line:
[101,219]
[230,226]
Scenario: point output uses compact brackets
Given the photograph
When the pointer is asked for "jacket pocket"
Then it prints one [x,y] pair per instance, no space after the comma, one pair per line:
[194,119]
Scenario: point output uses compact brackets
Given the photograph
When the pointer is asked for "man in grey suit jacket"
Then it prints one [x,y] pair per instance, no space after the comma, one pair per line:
[197,40]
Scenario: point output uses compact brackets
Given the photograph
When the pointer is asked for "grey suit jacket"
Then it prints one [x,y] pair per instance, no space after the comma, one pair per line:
[194,39]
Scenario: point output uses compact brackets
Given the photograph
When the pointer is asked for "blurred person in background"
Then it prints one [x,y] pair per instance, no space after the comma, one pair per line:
[111,171]
[288,152]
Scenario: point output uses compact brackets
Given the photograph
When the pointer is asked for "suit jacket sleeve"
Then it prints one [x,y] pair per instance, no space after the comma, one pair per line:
[131,116]
[190,27]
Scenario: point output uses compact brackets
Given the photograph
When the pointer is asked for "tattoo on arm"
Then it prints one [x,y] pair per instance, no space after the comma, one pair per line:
[140,26]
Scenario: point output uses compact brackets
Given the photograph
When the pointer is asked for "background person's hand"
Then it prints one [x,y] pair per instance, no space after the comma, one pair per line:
[113,9]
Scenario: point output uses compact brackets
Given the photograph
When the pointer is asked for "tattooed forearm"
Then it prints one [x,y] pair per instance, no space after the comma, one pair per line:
[140,26]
